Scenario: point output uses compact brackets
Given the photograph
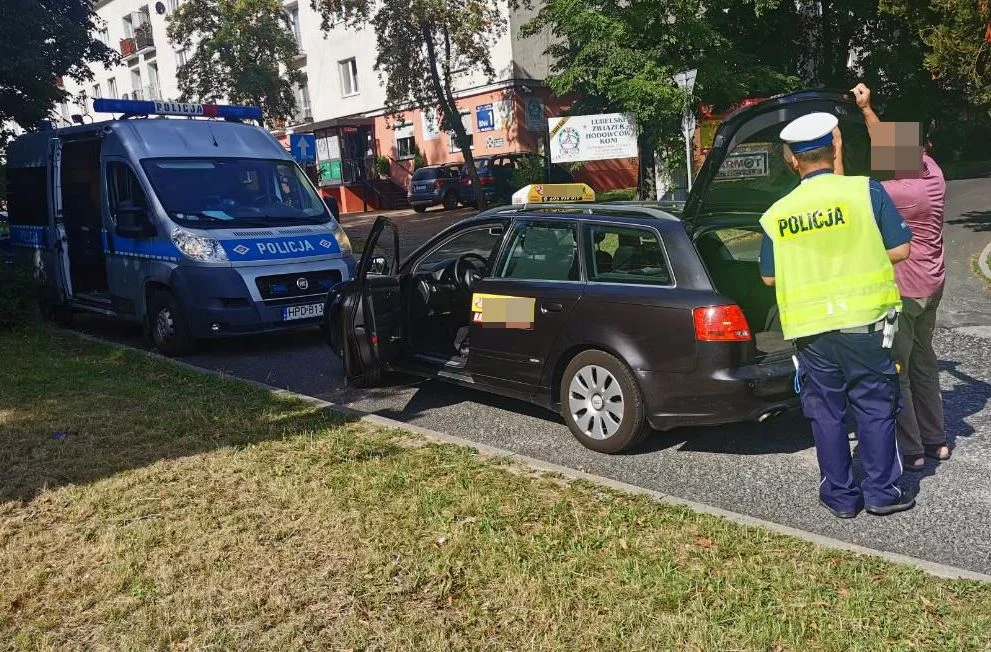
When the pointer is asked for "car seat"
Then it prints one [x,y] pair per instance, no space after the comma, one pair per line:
[627,256]
[603,259]
[545,257]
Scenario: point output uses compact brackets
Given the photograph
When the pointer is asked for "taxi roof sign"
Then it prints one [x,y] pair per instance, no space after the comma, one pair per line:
[553,193]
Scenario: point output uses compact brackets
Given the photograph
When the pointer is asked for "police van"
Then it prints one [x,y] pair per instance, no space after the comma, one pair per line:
[197,228]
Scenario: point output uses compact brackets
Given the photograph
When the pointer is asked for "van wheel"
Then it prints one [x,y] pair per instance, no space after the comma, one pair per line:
[168,327]
[420,209]
[602,403]
[450,201]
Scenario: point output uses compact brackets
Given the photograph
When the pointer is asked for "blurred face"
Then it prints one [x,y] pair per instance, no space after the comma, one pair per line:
[896,150]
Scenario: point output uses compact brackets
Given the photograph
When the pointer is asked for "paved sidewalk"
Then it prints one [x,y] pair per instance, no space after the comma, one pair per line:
[966,301]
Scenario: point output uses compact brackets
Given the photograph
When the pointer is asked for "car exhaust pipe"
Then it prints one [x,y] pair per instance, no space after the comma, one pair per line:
[775,412]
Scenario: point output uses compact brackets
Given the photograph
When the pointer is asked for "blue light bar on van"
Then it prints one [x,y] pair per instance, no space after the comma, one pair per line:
[142,107]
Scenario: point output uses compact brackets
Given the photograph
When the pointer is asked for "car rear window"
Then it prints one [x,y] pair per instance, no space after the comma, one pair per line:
[621,254]
[424,174]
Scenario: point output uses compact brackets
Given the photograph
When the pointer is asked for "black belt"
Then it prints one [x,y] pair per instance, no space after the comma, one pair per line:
[876,327]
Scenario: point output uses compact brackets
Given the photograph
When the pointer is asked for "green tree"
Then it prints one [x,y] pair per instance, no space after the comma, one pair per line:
[616,55]
[41,41]
[957,42]
[243,53]
[422,50]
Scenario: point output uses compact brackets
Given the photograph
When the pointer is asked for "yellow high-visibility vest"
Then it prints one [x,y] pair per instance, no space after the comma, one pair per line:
[831,269]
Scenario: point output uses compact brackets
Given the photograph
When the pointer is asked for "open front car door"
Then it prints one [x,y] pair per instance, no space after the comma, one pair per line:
[363,316]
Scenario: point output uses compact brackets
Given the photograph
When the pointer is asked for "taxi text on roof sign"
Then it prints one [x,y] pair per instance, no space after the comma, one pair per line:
[553,193]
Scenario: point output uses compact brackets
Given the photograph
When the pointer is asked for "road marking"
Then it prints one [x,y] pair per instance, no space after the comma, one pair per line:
[933,568]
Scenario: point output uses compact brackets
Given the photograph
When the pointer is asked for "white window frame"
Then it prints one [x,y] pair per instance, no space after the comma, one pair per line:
[181,57]
[292,13]
[404,133]
[452,142]
[112,88]
[348,71]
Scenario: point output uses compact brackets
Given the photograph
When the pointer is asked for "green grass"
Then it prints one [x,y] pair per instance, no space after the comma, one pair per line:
[185,512]
[965,169]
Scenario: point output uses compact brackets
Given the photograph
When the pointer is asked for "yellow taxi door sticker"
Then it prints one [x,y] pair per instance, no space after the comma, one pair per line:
[502,311]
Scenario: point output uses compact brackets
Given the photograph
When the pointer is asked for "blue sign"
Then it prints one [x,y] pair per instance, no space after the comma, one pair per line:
[303,147]
[278,248]
[485,117]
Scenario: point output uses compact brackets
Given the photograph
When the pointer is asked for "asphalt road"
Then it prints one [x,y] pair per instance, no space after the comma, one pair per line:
[768,471]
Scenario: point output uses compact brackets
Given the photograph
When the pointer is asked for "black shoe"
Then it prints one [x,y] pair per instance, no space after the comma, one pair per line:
[903,504]
[837,513]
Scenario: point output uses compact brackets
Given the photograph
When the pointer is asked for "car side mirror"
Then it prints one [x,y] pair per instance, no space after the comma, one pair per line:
[133,221]
[379,265]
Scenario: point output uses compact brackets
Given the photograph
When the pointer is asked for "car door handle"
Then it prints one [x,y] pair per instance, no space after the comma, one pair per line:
[551,307]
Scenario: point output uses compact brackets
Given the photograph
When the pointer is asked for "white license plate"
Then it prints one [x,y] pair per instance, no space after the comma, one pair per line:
[302,312]
[419,187]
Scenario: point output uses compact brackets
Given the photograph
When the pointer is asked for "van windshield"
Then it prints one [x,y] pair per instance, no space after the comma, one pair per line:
[234,192]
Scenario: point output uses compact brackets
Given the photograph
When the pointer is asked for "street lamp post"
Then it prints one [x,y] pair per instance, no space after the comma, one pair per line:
[686,82]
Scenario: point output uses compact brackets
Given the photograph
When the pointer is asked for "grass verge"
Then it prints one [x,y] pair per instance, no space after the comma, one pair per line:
[175,510]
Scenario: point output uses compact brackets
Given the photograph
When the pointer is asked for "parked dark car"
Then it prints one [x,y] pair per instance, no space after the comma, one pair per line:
[495,176]
[432,185]
[621,317]
[4,232]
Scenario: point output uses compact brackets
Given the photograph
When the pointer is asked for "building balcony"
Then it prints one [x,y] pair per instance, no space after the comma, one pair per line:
[128,47]
[143,37]
[303,115]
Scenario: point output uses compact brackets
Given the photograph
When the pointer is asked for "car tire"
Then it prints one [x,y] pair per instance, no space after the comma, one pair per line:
[450,201]
[420,209]
[168,328]
[592,383]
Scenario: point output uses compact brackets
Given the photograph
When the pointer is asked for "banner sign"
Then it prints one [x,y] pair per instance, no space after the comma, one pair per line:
[534,110]
[593,137]
[746,161]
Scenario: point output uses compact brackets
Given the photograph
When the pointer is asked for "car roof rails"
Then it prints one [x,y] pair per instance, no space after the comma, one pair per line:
[632,209]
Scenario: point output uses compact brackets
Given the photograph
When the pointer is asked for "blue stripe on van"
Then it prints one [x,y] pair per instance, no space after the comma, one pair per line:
[143,249]
[33,237]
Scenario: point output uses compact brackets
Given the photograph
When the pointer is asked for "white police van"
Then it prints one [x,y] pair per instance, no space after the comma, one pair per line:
[195,227]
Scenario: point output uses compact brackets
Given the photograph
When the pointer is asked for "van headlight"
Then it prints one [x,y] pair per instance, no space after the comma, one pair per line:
[198,247]
[342,238]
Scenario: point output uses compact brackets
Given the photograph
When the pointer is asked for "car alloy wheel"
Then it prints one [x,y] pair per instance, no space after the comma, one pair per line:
[596,402]
[164,326]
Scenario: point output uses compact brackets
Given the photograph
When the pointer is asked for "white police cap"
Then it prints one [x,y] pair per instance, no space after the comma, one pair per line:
[809,132]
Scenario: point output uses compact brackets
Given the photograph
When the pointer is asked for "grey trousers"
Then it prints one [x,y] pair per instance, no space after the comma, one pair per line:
[920,422]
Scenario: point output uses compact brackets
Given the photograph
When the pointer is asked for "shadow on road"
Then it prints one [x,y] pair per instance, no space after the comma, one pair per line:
[977,221]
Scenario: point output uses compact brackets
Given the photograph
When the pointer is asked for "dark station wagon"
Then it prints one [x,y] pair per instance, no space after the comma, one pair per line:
[621,317]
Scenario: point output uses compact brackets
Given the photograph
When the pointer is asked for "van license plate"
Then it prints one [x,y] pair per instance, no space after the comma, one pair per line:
[302,312]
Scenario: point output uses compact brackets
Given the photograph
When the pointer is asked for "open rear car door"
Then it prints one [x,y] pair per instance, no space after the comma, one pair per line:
[365,314]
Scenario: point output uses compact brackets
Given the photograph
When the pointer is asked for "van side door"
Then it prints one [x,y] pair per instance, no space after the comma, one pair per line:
[129,235]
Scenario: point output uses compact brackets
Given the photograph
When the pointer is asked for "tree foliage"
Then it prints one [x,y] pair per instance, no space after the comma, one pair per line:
[423,49]
[957,38]
[42,40]
[243,52]
[616,55]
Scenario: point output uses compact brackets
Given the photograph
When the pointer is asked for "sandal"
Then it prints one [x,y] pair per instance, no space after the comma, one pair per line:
[936,452]
[913,462]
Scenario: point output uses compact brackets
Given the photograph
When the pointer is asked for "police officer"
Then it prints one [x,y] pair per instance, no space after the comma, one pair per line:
[829,248]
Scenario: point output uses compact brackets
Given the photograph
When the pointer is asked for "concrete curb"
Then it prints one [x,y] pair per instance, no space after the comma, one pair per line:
[983,262]
[933,568]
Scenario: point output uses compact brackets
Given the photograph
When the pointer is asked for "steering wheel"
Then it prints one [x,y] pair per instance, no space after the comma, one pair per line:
[465,270]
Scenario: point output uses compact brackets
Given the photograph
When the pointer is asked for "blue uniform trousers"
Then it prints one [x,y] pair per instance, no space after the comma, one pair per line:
[841,371]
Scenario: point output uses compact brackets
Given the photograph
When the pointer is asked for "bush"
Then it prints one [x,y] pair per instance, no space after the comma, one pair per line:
[383,166]
[18,296]
[530,170]
[418,159]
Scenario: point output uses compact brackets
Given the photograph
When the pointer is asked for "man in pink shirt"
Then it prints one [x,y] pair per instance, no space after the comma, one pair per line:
[919,193]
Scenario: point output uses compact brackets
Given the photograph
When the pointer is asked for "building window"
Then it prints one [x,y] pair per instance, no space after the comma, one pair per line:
[405,143]
[173,5]
[104,35]
[292,13]
[349,77]
[97,92]
[466,122]
[181,57]
[112,88]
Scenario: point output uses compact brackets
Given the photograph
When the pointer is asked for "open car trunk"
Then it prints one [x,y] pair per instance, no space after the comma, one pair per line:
[731,256]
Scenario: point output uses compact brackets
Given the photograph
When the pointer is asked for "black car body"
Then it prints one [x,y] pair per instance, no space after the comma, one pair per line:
[667,309]
[432,185]
[495,176]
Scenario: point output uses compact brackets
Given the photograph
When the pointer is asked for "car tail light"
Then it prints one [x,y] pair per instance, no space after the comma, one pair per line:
[464,181]
[721,324]
[437,184]
[486,181]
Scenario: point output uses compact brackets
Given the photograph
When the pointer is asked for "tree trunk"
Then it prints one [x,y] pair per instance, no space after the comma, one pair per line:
[646,177]
[445,99]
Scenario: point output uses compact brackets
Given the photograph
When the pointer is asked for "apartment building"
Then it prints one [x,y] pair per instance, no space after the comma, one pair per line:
[343,100]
